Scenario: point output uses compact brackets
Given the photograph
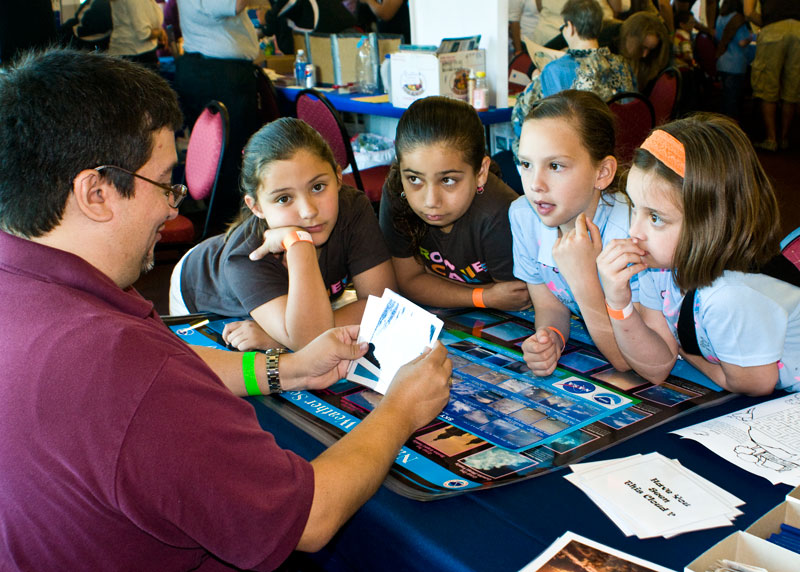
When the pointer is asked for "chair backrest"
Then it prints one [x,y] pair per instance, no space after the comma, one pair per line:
[521,63]
[635,119]
[790,247]
[705,52]
[665,93]
[315,109]
[207,143]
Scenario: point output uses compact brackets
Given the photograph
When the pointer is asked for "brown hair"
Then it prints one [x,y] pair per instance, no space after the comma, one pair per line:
[730,213]
[637,27]
[591,118]
[276,141]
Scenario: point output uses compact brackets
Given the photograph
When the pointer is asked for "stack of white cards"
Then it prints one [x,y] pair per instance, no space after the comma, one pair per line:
[397,331]
[650,495]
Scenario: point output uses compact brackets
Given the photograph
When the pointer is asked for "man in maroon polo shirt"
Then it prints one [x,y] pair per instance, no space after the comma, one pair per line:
[123,448]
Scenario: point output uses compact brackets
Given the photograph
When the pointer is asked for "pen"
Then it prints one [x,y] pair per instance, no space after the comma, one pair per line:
[196,325]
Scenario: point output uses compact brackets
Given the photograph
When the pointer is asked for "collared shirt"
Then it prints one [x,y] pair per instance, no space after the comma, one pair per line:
[214,29]
[121,449]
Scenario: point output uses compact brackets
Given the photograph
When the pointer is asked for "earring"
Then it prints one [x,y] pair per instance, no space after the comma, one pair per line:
[402,194]
[480,189]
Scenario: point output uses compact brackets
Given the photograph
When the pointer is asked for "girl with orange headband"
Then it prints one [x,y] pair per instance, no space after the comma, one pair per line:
[704,236]
[570,209]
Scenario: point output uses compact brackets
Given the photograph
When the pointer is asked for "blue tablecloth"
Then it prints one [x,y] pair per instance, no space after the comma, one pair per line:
[504,528]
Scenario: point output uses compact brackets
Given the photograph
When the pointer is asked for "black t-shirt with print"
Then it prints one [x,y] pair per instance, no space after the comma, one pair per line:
[218,276]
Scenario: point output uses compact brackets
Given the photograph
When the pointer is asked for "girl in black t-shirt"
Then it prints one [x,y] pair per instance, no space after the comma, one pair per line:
[300,239]
[444,214]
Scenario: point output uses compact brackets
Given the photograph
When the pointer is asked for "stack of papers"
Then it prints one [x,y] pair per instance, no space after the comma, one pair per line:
[397,331]
[651,495]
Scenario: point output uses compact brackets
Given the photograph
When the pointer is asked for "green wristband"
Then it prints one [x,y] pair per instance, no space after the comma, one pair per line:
[249,373]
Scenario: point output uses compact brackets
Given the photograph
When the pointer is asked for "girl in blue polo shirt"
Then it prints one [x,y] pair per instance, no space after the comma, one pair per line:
[569,211]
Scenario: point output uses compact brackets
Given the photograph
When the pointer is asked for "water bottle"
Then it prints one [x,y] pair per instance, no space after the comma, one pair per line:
[300,68]
[480,93]
[366,60]
[386,74]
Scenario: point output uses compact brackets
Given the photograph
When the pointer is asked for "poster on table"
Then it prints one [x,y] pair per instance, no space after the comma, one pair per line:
[502,423]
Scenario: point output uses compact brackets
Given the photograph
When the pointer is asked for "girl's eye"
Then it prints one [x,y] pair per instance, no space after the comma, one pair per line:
[449,181]
[555,167]
[656,220]
[525,165]
[318,187]
[413,180]
[282,200]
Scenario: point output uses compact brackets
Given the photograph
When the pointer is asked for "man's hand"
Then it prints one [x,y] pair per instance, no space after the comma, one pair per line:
[323,361]
[421,388]
[510,296]
[541,351]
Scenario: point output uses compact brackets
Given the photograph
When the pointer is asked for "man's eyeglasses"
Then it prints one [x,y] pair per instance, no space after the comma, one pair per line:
[561,29]
[174,193]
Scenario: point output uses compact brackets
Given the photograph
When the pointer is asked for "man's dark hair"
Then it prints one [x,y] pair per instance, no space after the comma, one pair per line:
[63,111]
[586,16]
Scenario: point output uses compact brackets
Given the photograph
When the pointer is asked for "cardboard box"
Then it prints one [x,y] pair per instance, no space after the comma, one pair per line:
[747,549]
[421,74]
[284,65]
[334,55]
[788,512]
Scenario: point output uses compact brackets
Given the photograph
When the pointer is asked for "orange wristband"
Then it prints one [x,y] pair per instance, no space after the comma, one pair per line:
[560,335]
[295,236]
[477,298]
[620,314]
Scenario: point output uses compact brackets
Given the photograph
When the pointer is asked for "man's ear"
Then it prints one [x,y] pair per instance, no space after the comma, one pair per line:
[94,197]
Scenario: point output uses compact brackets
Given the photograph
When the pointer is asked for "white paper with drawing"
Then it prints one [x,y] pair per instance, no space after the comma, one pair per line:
[763,439]
[397,331]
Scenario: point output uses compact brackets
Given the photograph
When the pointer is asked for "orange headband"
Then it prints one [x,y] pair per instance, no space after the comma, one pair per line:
[668,150]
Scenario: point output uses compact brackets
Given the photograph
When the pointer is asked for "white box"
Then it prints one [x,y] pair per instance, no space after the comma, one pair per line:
[745,548]
[421,74]
[788,512]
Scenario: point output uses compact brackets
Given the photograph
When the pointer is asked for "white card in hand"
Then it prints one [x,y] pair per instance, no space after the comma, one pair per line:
[397,331]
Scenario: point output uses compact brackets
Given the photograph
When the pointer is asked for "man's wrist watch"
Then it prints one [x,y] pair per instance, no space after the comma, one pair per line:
[273,375]
[295,236]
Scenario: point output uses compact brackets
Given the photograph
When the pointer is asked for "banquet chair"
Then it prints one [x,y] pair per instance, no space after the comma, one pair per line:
[635,119]
[521,63]
[315,109]
[665,93]
[207,142]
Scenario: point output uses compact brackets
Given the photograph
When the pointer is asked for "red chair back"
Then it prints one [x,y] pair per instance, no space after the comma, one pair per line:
[790,247]
[705,52]
[314,108]
[635,119]
[207,143]
[521,63]
[665,93]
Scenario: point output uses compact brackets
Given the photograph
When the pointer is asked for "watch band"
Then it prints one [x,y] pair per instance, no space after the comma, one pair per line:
[620,314]
[273,375]
[295,236]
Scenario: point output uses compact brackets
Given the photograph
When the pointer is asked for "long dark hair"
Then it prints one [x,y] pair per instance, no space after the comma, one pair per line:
[433,121]
[278,140]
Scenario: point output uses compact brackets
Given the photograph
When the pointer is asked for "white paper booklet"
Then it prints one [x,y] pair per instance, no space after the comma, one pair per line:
[650,495]
[763,439]
[574,552]
[397,331]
